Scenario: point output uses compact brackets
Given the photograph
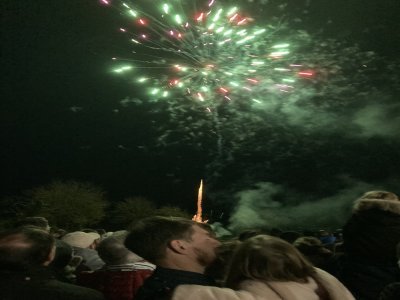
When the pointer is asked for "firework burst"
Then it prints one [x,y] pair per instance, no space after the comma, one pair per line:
[209,55]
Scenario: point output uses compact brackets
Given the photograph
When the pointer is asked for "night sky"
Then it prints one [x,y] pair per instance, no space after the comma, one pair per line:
[64,116]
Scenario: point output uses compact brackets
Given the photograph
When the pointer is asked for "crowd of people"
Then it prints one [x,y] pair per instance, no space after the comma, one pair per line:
[162,258]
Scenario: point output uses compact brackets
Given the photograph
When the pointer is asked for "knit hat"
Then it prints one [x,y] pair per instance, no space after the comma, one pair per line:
[80,239]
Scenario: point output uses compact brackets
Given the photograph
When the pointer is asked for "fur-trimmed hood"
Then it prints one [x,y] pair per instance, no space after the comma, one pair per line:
[392,206]
[273,290]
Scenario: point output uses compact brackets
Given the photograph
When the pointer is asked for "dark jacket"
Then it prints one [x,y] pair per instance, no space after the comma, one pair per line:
[363,279]
[40,284]
[162,282]
[373,231]
[370,238]
[391,292]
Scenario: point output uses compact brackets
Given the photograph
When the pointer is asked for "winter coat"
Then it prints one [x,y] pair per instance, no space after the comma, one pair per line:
[391,292]
[40,284]
[91,260]
[370,238]
[259,290]
[373,231]
[163,281]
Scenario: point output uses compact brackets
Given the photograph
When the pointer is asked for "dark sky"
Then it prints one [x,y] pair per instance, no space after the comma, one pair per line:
[62,118]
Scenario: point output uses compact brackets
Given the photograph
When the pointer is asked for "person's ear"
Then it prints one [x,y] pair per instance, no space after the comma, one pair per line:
[178,246]
[51,256]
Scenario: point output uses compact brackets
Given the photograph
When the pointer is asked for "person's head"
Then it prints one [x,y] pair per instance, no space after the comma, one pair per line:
[58,233]
[173,243]
[248,233]
[381,200]
[313,249]
[310,245]
[326,237]
[64,253]
[81,239]
[25,248]
[113,252]
[383,195]
[267,258]
[217,269]
[39,222]
[120,235]
[290,236]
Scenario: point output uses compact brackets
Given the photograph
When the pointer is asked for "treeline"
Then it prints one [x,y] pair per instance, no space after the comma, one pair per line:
[75,205]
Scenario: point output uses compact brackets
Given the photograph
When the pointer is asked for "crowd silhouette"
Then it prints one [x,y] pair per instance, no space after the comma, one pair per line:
[176,258]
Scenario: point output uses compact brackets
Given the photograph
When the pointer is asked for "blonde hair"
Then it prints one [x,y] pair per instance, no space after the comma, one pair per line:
[267,258]
[384,195]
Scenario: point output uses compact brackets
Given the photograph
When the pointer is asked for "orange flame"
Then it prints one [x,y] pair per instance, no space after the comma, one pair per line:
[198,217]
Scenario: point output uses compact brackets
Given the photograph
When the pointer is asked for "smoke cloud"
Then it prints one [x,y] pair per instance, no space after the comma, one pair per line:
[379,120]
[268,205]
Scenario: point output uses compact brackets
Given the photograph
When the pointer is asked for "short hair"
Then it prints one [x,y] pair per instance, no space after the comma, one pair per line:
[290,236]
[24,248]
[267,258]
[40,222]
[64,253]
[309,245]
[149,238]
[248,233]
[120,235]
[113,252]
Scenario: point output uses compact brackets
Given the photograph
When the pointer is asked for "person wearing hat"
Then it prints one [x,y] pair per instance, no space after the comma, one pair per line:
[84,245]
